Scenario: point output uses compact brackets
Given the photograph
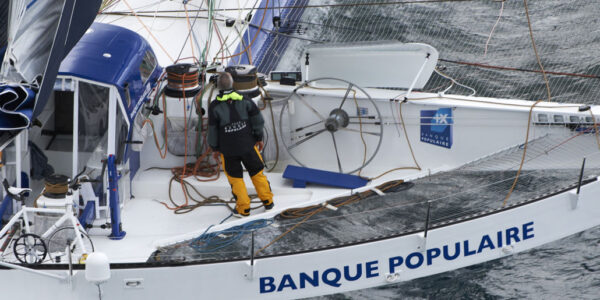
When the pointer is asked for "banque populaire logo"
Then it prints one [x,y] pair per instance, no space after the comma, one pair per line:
[436,127]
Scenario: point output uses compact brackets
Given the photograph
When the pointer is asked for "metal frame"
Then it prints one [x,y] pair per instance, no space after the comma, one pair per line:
[114,101]
[75,86]
[18,168]
[67,215]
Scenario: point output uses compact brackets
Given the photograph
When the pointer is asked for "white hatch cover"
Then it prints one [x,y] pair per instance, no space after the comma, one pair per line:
[384,64]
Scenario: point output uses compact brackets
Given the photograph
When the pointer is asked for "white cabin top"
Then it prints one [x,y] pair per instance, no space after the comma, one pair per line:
[384,64]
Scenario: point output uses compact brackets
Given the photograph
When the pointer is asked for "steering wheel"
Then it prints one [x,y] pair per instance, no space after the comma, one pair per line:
[352,123]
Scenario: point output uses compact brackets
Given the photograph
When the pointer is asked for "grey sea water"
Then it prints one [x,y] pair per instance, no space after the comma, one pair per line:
[567,36]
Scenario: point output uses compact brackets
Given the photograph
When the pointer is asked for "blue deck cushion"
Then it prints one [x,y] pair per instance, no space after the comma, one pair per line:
[302,175]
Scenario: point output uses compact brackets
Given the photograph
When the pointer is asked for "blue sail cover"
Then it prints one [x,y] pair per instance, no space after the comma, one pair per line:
[271,40]
[39,34]
[16,107]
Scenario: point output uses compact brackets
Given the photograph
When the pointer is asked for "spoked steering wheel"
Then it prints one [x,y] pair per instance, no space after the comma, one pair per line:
[353,124]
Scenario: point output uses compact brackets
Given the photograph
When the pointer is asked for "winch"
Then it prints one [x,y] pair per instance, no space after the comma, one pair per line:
[182,81]
[56,193]
[246,79]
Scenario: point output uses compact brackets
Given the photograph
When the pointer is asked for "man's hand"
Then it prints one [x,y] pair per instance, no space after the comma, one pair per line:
[260,145]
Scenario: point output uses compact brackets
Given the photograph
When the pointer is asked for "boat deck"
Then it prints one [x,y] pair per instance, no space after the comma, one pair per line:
[149,224]
[482,185]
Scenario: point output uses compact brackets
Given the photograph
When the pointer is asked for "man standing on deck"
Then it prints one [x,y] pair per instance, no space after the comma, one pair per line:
[235,129]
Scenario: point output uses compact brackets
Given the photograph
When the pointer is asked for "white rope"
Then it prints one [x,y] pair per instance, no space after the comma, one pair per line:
[493,28]
[454,82]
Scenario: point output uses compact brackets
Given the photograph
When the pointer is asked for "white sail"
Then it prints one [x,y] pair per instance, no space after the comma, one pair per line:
[32,30]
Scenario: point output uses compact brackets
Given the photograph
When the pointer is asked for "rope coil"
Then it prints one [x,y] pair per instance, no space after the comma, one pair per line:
[186,81]
[56,184]
[309,211]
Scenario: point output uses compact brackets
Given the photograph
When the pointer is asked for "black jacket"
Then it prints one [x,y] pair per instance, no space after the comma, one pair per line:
[235,124]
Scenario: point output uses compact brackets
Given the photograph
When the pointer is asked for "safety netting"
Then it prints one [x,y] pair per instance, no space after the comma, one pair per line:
[479,187]
[485,45]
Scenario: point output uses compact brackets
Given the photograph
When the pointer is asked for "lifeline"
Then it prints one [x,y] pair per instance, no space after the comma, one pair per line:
[336,276]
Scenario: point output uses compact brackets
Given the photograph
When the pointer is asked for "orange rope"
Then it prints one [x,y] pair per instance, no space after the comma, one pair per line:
[537,56]
[199,168]
[412,153]
[184,157]
[180,80]
[147,29]
[187,17]
[512,188]
[221,42]
[493,28]
[255,35]
[185,130]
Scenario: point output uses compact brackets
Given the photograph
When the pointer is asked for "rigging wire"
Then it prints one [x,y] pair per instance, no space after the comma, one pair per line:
[392,109]
[236,29]
[222,49]
[190,28]
[149,31]
[267,98]
[106,4]
[354,4]
[412,153]
[255,35]
[188,36]
[360,128]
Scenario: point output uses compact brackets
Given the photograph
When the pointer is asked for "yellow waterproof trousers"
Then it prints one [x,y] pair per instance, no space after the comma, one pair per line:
[232,165]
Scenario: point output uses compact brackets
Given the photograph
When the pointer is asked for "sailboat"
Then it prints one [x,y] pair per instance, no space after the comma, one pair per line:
[379,174]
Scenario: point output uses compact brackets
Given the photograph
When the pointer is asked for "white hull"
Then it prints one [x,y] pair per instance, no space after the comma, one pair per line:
[469,133]
[280,276]
[533,224]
